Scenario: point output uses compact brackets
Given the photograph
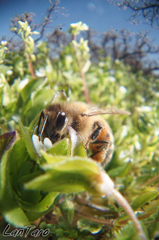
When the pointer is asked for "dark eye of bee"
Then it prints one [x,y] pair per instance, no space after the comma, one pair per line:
[61,119]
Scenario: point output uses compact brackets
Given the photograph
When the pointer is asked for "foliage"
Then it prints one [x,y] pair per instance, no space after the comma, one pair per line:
[145,10]
[32,185]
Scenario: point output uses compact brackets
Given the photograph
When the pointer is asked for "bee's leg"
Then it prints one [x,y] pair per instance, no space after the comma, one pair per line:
[101,144]
[102,151]
[39,122]
[94,134]
[59,96]
[40,132]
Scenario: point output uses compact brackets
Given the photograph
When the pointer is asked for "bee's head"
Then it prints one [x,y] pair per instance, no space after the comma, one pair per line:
[54,125]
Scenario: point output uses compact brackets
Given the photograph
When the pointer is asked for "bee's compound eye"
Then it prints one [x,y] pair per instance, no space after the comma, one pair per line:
[61,119]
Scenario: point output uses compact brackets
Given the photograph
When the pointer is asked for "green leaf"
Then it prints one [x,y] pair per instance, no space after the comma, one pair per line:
[29,88]
[92,227]
[66,174]
[32,216]
[127,233]
[143,199]
[79,150]
[8,205]
[67,209]
[32,108]
[120,171]
[16,158]
[41,206]
[28,142]
[139,202]
[6,141]
[63,223]
[60,148]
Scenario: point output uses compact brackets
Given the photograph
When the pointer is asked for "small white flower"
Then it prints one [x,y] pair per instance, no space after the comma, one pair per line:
[40,72]
[69,58]
[5,100]
[128,160]
[123,89]
[37,144]
[84,27]
[117,61]
[75,25]
[23,83]
[48,69]
[9,72]
[101,64]
[47,144]
[123,154]
[124,132]
[144,108]
[79,26]
[138,146]
[110,79]
[3,43]
[16,118]
[157,132]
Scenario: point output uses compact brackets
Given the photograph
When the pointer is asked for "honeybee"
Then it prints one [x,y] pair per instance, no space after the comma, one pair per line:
[93,130]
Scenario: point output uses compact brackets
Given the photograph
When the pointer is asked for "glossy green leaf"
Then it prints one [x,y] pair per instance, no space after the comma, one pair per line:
[41,206]
[28,142]
[144,198]
[16,158]
[67,209]
[120,171]
[32,85]
[66,174]
[32,216]
[9,207]
[139,202]
[79,150]
[60,148]
[127,233]
[92,227]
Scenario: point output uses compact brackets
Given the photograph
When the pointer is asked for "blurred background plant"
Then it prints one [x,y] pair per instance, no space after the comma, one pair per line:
[108,72]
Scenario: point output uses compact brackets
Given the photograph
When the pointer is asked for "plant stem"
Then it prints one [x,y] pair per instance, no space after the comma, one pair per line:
[82,75]
[122,201]
[94,219]
[85,87]
[30,66]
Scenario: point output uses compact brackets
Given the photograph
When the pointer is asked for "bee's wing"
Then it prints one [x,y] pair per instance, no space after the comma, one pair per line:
[100,111]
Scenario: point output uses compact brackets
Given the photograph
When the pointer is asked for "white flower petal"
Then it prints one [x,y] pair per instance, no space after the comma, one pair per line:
[9,72]
[23,83]
[138,146]
[123,89]
[37,144]
[144,108]
[47,144]
[3,43]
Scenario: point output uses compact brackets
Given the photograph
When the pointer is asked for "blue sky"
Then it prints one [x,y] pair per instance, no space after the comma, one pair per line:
[100,15]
